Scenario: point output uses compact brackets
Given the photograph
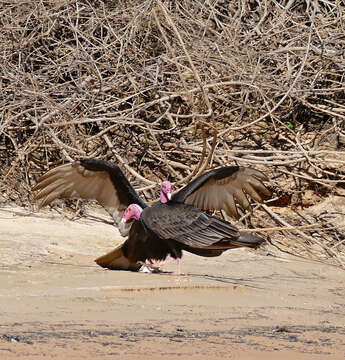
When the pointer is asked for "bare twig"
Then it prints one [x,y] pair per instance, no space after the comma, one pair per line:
[132,83]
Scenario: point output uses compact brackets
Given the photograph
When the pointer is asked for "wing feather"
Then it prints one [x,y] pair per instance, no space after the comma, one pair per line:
[223,188]
[187,225]
[250,190]
[89,180]
[241,198]
[229,206]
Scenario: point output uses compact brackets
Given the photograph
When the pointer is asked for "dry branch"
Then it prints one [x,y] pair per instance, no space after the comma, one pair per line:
[133,82]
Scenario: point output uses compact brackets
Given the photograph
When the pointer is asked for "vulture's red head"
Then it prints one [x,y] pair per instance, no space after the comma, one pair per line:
[132,212]
[166,189]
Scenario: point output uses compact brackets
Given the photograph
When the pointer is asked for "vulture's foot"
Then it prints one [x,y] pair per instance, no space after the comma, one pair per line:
[157,265]
[149,266]
[167,261]
[148,269]
[153,265]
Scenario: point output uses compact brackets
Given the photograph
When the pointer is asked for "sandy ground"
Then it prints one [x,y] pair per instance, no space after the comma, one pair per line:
[56,303]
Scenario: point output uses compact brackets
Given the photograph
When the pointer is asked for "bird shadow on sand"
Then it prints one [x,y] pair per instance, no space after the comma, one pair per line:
[247,282]
[221,279]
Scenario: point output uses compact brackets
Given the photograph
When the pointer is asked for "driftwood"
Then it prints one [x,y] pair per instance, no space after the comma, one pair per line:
[169,89]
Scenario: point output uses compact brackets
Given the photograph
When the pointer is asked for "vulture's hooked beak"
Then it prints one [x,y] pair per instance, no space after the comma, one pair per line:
[123,220]
[169,195]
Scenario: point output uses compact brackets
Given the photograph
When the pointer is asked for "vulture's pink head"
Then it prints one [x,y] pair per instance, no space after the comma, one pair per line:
[166,189]
[132,212]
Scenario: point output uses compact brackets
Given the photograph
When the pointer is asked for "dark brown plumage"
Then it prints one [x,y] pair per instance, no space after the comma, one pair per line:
[168,228]
[164,229]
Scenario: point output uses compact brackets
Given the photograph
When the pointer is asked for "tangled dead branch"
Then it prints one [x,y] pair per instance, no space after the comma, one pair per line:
[148,84]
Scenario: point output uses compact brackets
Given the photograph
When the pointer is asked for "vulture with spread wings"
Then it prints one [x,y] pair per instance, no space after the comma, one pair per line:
[177,222]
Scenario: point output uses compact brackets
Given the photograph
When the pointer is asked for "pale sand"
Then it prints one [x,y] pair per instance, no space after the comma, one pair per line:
[56,303]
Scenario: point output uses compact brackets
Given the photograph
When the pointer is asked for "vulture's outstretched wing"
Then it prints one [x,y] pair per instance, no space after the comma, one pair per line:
[90,179]
[221,189]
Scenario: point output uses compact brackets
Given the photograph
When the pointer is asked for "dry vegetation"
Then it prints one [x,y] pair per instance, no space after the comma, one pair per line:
[139,82]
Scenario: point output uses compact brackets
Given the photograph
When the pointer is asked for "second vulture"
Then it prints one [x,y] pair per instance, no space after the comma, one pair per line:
[177,222]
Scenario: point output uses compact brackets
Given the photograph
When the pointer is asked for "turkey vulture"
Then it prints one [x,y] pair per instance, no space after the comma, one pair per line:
[171,227]
[175,223]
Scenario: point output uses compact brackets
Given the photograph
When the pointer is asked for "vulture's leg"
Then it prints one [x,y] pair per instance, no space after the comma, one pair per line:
[157,265]
[167,260]
[178,266]
[153,265]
